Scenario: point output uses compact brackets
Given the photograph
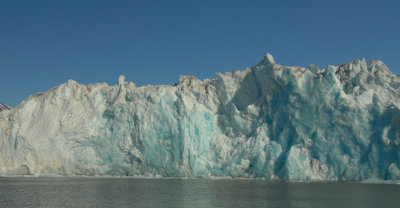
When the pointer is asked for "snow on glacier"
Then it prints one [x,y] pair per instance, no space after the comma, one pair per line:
[269,121]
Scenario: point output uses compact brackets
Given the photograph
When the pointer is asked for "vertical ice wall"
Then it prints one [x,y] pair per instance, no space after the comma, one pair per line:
[268,121]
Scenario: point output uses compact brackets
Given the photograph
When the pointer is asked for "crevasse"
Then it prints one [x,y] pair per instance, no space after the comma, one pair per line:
[269,121]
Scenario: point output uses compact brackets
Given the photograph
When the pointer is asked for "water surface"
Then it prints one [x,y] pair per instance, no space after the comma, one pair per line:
[130,192]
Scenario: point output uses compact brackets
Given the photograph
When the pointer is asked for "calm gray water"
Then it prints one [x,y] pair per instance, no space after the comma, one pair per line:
[128,192]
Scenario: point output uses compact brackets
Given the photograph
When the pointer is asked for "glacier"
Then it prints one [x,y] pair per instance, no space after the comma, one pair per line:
[269,121]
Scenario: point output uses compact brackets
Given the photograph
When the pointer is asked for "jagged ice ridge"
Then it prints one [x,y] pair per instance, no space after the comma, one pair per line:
[3,106]
[269,121]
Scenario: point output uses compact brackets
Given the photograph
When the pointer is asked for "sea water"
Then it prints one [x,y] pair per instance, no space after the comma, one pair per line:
[134,192]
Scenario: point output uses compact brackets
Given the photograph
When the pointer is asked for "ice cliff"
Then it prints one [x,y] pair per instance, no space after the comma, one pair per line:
[269,121]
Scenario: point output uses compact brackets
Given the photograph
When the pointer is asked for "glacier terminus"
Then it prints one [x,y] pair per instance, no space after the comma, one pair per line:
[269,121]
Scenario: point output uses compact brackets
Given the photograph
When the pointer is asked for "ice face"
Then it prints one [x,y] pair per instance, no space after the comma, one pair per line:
[269,121]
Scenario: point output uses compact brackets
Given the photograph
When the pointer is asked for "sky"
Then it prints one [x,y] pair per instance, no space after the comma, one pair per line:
[45,43]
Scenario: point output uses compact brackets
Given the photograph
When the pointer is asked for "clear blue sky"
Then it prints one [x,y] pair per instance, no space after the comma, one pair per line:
[45,43]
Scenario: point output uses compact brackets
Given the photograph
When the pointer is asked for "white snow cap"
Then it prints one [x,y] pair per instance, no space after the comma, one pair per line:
[268,59]
[121,79]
